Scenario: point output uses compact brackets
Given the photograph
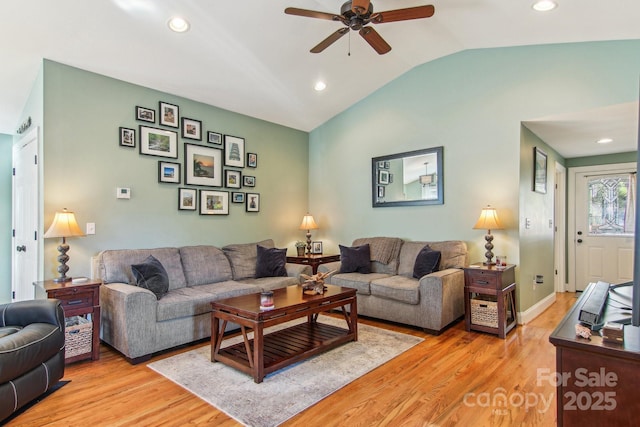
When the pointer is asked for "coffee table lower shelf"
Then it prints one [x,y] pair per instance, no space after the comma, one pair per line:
[286,346]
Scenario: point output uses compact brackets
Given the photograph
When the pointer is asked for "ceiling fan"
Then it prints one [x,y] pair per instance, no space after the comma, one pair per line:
[357,15]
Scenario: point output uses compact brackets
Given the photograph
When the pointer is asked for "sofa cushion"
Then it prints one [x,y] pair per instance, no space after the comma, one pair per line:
[204,264]
[243,258]
[151,275]
[356,259]
[426,262]
[116,265]
[358,281]
[397,288]
[270,262]
[271,283]
[195,300]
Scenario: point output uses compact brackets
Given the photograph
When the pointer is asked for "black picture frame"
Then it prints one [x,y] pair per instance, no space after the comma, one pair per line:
[252,202]
[252,160]
[232,178]
[191,129]
[214,202]
[248,181]
[316,247]
[187,199]
[234,151]
[168,172]
[237,197]
[202,165]
[145,114]
[168,114]
[214,138]
[127,137]
[539,171]
[158,142]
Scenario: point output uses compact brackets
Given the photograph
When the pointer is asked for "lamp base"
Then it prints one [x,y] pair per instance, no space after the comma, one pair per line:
[488,246]
[62,279]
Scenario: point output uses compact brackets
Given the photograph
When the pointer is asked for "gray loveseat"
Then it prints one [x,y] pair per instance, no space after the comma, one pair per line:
[391,293]
[137,324]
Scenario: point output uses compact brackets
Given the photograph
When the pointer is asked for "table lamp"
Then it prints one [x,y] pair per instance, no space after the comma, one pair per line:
[488,221]
[308,224]
[64,225]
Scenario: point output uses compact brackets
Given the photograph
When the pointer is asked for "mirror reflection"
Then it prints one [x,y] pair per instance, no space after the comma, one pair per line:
[410,178]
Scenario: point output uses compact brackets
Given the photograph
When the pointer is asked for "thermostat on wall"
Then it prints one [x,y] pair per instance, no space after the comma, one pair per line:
[123,193]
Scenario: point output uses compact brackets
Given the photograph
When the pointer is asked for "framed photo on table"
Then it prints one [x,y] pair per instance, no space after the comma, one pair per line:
[202,165]
[158,142]
[316,247]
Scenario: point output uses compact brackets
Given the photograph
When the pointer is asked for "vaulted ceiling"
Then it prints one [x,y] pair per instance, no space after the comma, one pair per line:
[250,57]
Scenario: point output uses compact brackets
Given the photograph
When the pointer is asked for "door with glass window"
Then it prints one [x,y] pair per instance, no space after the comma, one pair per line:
[605,219]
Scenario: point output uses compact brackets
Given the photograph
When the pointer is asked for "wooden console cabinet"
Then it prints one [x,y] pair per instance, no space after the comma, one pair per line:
[79,299]
[597,382]
[493,290]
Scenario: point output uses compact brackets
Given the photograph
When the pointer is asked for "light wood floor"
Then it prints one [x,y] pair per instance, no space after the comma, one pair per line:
[456,378]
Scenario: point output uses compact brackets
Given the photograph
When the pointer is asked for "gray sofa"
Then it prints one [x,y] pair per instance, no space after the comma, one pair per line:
[391,293]
[138,324]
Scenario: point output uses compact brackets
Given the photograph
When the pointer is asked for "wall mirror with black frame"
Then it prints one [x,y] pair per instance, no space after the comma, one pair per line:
[408,179]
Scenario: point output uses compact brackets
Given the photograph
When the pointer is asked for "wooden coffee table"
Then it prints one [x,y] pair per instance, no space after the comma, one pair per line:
[266,353]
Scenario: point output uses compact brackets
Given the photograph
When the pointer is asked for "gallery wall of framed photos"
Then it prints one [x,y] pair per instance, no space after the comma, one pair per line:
[210,169]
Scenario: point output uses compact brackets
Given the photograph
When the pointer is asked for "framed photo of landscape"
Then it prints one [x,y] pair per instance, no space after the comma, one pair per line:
[234,151]
[191,129]
[158,142]
[237,197]
[169,172]
[169,115]
[214,138]
[187,199]
[214,202]
[202,165]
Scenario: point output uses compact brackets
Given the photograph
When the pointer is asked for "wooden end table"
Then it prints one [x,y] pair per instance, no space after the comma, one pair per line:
[266,353]
[314,260]
[79,299]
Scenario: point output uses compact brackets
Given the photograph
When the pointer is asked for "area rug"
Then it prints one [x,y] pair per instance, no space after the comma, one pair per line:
[288,391]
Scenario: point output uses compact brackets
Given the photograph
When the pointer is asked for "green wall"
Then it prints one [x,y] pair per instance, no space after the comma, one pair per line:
[6,142]
[602,160]
[472,103]
[84,164]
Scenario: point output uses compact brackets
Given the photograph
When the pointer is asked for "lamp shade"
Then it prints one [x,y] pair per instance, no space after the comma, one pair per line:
[64,225]
[488,220]
[308,223]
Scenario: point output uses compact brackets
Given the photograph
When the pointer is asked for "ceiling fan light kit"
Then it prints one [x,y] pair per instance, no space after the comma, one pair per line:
[357,15]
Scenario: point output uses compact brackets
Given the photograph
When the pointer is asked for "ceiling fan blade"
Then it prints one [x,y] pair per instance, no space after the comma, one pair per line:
[417,12]
[312,14]
[360,7]
[375,40]
[329,40]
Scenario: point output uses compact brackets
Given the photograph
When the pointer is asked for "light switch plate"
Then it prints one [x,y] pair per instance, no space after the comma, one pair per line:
[91,228]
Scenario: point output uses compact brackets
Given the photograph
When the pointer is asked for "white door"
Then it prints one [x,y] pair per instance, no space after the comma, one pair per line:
[604,226]
[25,217]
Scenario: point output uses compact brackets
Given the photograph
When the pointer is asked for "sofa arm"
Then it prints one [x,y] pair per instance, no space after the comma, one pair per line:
[23,313]
[446,287]
[295,270]
[128,315]
[330,266]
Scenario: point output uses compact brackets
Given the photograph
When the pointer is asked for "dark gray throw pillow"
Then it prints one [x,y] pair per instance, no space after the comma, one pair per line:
[426,262]
[356,259]
[271,262]
[150,274]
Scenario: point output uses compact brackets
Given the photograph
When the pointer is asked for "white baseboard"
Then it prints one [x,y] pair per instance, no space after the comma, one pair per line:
[536,310]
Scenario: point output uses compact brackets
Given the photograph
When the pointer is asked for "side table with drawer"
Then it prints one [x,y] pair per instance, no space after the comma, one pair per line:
[314,260]
[81,304]
[490,298]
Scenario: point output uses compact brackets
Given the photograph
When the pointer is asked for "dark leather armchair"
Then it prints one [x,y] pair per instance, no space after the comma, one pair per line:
[31,351]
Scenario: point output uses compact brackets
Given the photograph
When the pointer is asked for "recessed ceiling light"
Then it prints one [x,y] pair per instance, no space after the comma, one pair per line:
[178,24]
[604,141]
[544,5]
[320,86]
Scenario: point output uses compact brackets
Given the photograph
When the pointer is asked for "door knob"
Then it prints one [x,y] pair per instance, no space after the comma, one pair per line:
[579,240]
[22,248]
[579,233]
